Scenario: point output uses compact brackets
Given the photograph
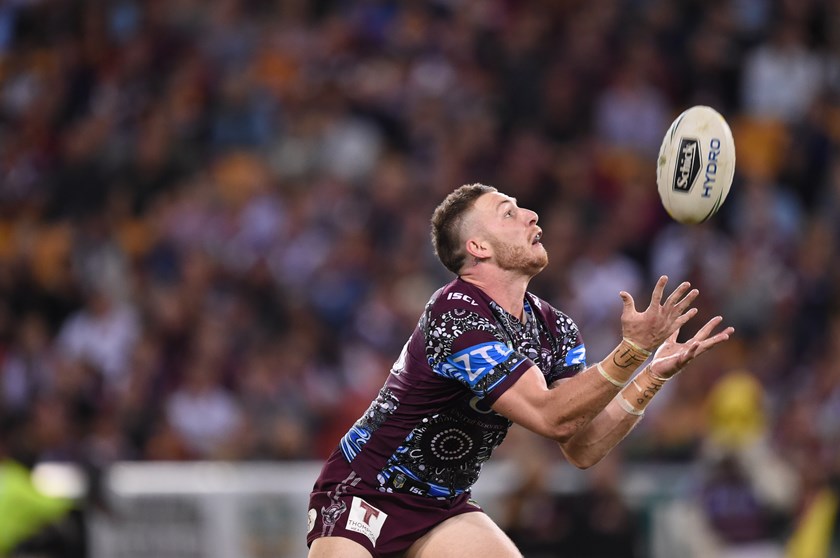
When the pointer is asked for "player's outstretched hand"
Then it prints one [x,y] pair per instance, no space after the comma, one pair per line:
[648,329]
[672,357]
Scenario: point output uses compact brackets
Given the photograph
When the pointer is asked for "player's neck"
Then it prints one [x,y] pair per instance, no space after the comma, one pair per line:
[507,288]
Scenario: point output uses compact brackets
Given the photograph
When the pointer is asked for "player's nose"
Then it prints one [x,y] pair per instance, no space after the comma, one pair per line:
[532,217]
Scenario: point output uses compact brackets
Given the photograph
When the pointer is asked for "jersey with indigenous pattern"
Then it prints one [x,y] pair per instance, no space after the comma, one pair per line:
[431,427]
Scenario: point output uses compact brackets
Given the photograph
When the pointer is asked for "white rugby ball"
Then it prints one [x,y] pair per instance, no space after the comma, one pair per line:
[696,165]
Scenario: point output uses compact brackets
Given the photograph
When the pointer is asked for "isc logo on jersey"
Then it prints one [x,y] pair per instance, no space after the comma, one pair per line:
[472,364]
[461,296]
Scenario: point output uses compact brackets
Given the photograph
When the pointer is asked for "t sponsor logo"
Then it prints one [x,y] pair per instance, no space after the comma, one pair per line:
[688,165]
[365,519]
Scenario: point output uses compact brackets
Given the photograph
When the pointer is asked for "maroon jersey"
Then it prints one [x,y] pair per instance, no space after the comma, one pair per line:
[431,427]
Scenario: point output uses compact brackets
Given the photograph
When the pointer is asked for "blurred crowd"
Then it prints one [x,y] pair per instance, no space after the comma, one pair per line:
[214,213]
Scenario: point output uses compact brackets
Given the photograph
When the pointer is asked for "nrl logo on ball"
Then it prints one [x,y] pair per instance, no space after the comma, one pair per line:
[688,166]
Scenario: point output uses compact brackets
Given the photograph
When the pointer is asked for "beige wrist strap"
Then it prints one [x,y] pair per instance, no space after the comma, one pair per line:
[619,367]
[642,390]
[628,356]
[628,408]
[659,378]
[636,347]
[610,379]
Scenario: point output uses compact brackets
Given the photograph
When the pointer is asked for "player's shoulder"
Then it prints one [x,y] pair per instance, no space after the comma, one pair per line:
[551,315]
[460,296]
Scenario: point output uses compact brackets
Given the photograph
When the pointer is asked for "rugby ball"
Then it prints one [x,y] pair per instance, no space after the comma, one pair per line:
[696,165]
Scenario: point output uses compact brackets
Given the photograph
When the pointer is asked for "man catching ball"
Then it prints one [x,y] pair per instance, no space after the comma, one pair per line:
[485,354]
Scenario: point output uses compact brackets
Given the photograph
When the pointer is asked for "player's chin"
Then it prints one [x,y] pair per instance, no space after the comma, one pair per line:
[539,263]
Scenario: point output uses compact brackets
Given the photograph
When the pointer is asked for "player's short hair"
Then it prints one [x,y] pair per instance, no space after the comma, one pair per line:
[448,220]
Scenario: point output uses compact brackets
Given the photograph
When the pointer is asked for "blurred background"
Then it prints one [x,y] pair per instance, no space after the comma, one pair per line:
[214,241]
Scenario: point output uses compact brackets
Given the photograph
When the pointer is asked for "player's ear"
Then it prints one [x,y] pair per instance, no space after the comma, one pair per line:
[478,248]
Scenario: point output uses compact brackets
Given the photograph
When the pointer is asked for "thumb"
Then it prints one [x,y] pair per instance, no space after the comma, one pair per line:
[629,304]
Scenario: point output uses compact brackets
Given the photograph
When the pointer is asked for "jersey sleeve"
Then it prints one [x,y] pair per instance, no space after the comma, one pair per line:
[571,357]
[468,347]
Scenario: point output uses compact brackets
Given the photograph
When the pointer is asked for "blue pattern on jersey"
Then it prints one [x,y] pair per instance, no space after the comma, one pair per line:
[380,409]
[473,363]
[352,442]
[576,356]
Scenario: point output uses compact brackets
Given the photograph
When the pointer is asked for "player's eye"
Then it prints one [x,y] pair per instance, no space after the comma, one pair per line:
[509,213]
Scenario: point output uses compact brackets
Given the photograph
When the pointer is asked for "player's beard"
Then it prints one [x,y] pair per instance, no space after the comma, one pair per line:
[527,261]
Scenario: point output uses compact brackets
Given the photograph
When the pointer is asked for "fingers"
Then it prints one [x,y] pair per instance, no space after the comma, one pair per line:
[680,355]
[673,337]
[686,300]
[717,338]
[678,293]
[682,297]
[706,330]
[724,335]
[629,304]
[656,297]
[686,316]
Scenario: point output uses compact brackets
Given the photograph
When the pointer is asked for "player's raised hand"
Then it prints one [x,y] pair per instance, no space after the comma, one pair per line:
[672,357]
[648,329]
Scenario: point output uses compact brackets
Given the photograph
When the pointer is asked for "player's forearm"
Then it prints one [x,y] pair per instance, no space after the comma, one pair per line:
[594,441]
[585,396]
